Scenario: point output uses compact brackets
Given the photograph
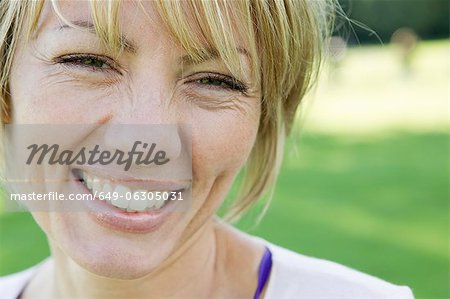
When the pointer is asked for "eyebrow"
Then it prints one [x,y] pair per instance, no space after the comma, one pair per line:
[128,45]
[210,54]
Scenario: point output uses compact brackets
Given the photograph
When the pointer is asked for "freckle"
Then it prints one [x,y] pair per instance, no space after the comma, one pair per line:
[104,119]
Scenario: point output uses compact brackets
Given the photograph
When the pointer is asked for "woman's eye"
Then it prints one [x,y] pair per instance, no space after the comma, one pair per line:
[90,61]
[215,82]
[94,62]
[222,82]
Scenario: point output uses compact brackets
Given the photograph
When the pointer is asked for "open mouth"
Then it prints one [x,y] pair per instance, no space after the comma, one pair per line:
[129,195]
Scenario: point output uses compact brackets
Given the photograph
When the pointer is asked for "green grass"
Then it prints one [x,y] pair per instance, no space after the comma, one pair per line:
[22,242]
[379,205]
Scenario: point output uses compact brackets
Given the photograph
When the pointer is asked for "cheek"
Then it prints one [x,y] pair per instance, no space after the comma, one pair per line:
[222,141]
[221,144]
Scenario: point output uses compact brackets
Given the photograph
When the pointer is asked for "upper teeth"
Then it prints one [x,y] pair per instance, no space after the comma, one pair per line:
[137,202]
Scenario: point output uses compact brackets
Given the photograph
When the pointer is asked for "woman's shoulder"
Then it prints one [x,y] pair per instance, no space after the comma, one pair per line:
[294,275]
[12,285]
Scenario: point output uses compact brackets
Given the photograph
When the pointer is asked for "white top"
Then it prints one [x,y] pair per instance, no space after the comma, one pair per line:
[292,276]
[297,276]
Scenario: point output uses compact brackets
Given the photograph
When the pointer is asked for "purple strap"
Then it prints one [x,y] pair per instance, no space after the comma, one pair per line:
[263,273]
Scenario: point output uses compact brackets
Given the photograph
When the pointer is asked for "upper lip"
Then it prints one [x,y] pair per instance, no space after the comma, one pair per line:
[136,183]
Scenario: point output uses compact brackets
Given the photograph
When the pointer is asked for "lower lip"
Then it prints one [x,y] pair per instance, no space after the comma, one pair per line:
[114,218]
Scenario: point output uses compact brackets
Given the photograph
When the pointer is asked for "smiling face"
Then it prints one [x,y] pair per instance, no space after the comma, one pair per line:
[65,75]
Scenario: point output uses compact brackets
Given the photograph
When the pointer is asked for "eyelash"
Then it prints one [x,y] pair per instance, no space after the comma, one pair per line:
[230,83]
[79,60]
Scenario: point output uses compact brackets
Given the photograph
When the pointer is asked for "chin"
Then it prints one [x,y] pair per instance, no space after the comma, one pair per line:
[123,266]
[108,253]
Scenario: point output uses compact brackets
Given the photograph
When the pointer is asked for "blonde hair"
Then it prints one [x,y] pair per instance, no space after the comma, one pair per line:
[286,40]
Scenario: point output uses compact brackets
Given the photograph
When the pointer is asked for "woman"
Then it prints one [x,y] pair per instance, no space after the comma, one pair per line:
[235,72]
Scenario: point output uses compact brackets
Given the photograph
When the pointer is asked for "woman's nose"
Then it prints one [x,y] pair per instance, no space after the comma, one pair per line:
[154,144]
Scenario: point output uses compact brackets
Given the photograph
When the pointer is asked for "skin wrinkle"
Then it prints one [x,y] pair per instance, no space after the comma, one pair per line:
[105,119]
[91,261]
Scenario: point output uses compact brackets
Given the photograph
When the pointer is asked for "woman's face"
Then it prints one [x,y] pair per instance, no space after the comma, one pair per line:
[64,76]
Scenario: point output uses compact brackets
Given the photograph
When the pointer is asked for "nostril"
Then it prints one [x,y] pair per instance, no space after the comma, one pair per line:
[78,174]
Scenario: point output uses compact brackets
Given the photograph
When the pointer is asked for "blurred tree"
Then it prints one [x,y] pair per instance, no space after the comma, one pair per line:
[428,18]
